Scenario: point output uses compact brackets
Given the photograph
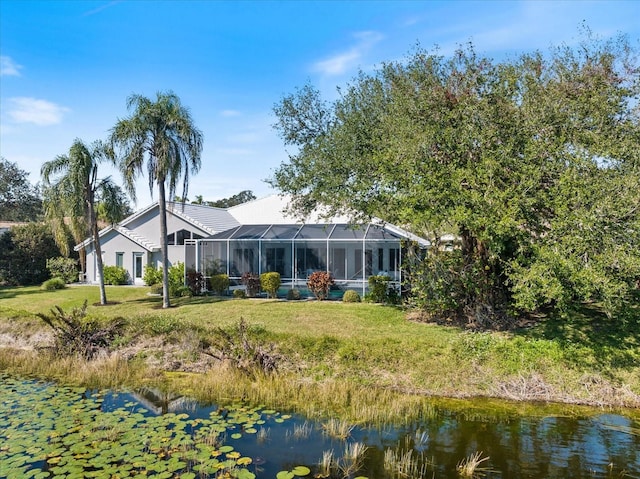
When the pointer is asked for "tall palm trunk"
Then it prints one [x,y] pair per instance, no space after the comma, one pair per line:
[162,204]
[98,250]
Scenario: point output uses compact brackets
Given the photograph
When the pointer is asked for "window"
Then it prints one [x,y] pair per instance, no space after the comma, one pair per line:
[120,260]
[310,260]
[182,235]
[380,259]
[275,260]
[178,237]
[394,259]
[243,261]
[368,261]
[338,263]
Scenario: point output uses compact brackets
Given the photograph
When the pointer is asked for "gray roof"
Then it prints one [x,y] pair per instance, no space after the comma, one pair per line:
[212,220]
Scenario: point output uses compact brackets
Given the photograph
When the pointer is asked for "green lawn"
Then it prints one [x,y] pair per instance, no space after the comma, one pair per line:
[583,357]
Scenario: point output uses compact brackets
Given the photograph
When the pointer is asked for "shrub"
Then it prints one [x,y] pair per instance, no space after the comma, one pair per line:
[195,282]
[351,296]
[319,283]
[252,282]
[176,279]
[270,282]
[293,294]
[75,334]
[239,294]
[182,292]
[378,286]
[65,268]
[219,283]
[152,275]
[115,275]
[53,284]
[243,350]
[156,288]
[382,291]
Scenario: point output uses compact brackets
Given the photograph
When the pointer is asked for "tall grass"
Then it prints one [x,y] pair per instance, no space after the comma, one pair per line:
[334,355]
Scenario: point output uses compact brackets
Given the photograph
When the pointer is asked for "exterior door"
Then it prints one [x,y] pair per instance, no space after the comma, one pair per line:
[137,267]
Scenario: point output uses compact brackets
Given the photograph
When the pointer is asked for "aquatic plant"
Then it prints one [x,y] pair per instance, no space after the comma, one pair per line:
[337,428]
[401,464]
[326,464]
[352,458]
[470,465]
[74,436]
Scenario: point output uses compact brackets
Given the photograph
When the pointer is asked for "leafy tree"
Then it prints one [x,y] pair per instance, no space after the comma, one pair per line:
[24,251]
[529,161]
[63,268]
[19,199]
[114,211]
[72,189]
[237,199]
[161,135]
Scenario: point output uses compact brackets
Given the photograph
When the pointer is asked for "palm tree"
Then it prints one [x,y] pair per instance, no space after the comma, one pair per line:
[71,190]
[162,135]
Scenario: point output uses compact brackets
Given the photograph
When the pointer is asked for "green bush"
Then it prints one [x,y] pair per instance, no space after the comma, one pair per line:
[319,283]
[378,286]
[182,292]
[156,288]
[239,294]
[115,275]
[176,279]
[351,296]
[62,267]
[382,291]
[152,275]
[219,283]
[53,284]
[293,294]
[270,282]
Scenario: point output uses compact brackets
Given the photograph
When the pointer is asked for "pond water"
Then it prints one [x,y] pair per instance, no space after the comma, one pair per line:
[52,431]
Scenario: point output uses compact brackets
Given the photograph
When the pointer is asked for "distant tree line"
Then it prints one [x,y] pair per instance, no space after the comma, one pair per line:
[237,199]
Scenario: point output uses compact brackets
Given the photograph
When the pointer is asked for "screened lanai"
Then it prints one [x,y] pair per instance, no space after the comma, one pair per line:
[350,253]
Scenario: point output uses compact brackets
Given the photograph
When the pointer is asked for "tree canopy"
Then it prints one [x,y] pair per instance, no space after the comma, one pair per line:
[73,190]
[161,137]
[19,199]
[532,162]
[234,200]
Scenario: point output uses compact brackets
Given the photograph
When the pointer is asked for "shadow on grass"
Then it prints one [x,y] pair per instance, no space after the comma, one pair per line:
[7,292]
[588,335]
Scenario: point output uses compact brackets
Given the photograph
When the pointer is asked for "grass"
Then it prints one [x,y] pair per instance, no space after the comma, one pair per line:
[334,353]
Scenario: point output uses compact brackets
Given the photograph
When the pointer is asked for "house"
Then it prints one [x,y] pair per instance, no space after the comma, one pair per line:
[257,237]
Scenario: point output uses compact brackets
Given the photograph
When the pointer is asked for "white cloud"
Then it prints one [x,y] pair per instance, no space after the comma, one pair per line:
[33,110]
[8,67]
[230,113]
[342,62]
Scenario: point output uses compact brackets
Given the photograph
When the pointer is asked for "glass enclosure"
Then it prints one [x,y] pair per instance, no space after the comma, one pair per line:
[350,253]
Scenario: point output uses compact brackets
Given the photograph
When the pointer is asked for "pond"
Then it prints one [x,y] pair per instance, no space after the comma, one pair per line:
[52,431]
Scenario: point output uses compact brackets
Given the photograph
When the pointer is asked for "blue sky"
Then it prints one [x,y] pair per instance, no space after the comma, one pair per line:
[67,67]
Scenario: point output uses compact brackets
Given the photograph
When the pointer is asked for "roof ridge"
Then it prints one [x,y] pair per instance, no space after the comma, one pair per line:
[136,237]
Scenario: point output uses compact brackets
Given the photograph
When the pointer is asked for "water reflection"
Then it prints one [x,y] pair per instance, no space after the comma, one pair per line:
[597,446]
